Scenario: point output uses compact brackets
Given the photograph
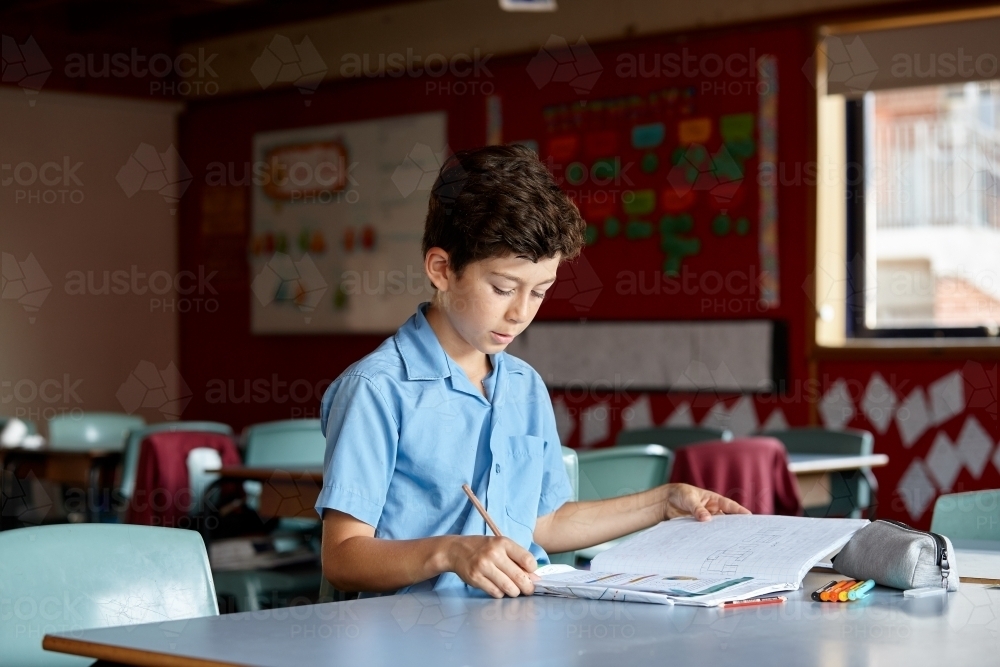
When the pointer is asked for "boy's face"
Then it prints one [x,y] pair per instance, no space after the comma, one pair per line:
[495,299]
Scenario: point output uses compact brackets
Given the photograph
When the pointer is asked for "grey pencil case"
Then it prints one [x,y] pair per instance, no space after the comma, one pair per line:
[896,555]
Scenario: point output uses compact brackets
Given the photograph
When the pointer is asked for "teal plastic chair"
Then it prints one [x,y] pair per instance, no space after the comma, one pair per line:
[291,443]
[671,437]
[572,463]
[851,492]
[130,459]
[287,444]
[974,515]
[618,471]
[69,577]
[92,430]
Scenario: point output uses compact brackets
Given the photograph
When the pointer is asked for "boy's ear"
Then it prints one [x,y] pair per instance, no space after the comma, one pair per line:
[436,263]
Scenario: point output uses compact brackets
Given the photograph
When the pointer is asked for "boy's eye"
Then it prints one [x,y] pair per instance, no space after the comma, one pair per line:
[538,295]
[501,292]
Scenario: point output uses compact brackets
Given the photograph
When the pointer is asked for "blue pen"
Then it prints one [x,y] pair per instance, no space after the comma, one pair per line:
[861,591]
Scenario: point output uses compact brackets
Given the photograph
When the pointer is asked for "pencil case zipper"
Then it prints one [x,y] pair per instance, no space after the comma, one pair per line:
[941,545]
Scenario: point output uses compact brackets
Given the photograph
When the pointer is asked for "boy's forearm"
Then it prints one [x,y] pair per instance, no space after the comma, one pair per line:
[581,524]
[364,563]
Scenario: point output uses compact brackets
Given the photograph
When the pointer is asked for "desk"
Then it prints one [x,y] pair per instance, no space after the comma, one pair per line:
[285,492]
[430,629]
[978,560]
[89,469]
[812,472]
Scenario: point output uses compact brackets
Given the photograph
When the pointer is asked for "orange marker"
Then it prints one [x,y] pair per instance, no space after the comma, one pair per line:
[833,594]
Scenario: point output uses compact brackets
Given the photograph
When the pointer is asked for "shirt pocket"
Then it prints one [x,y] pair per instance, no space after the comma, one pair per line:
[524,480]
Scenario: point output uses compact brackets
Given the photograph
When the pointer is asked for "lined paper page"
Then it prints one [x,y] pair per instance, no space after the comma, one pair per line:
[770,548]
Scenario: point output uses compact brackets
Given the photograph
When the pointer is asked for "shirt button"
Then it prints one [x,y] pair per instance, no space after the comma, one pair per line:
[498,468]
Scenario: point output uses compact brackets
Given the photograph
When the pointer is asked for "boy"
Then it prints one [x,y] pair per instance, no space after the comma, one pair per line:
[440,404]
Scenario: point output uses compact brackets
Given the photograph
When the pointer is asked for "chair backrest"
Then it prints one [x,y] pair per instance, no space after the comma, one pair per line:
[753,471]
[130,459]
[292,442]
[74,577]
[672,437]
[617,471]
[92,430]
[850,491]
[817,440]
[974,515]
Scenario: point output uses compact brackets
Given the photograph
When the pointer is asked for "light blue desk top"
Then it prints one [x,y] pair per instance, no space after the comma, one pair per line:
[431,630]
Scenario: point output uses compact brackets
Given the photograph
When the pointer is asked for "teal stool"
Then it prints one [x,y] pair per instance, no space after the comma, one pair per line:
[75,577]
[130,459]
[618,471]
[974,515]
[92,430]
[572,463]
[851,492]
[671,437]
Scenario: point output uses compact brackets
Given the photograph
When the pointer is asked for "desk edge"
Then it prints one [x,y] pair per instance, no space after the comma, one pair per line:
[121,654]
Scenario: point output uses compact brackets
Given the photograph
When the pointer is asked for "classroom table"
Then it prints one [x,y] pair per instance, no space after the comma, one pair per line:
[812,473]
[286,492]
[978,560]
[92,470]
[430,629]
[290,492]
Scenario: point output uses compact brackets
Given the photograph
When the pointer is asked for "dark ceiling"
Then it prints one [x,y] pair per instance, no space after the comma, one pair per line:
[95,22]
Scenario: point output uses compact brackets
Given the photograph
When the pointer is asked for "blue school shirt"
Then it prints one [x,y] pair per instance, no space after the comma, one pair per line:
[405,428]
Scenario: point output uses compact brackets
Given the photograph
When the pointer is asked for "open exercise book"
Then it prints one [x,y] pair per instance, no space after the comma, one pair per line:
[683,561]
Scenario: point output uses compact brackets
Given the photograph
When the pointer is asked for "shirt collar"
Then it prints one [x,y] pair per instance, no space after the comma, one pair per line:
[422,354]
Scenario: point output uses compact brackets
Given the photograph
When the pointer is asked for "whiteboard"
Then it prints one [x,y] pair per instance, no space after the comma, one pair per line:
[677,356]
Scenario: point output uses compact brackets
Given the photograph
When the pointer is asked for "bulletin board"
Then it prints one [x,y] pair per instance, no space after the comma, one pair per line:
[670,151]
[337,223]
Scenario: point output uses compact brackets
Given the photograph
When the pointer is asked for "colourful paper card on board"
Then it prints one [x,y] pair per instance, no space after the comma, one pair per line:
[694,131]
[648,136]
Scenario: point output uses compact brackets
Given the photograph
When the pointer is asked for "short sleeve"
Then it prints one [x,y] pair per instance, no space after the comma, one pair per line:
[556,489]
[361,440]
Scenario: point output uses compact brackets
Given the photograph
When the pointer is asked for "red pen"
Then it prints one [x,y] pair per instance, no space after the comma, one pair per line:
[753,602]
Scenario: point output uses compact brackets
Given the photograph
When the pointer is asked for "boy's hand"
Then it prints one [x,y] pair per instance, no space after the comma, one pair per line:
[687,500]
[497,565]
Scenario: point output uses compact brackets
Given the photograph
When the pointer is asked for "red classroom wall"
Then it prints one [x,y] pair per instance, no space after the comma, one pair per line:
[217,349]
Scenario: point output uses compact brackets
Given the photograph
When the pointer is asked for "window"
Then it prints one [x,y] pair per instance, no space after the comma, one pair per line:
[924,211]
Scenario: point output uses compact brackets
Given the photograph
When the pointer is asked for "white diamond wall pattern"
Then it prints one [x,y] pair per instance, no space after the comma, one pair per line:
[915,489]
[638,415]
[681,416]
[879,402]
[943,462]
[913,417]
[836,406]
[743,417]
[565,424]
[947,395]
[974,446]
[775,421]
[595,425]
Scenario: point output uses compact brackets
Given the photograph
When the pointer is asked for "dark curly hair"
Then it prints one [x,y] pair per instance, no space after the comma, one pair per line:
[497,201]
